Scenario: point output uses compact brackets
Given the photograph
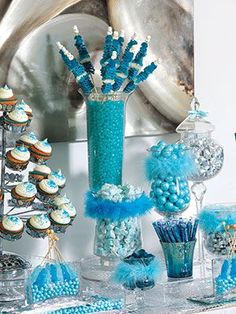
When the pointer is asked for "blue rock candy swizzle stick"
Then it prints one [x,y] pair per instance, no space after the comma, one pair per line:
[131,86]
[82,77]
[116,43]
[107,50]
[109,74]
[84,56]
[123,69]
[137,63]
[121,39]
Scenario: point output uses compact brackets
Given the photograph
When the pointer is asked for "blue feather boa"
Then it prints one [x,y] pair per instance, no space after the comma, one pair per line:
[183,166]
[98,208]
[212,218]
[128,273]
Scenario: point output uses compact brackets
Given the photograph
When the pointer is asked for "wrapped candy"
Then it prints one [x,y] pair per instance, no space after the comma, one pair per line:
[168,167]
[117,209]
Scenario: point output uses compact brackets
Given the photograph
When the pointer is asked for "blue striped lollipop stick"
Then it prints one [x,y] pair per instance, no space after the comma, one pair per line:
[123,70]
[84,56]
[137,63]
[131,86]
[81,76]
[107,50]
[109,74]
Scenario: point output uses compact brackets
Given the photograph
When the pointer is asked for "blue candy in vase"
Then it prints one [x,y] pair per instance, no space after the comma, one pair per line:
[168,167]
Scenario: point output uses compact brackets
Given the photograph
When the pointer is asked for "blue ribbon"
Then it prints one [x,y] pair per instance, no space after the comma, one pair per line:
[198,113]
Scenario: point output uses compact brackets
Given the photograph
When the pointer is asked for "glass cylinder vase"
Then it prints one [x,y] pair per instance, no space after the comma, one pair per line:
[117,238]
[105,132]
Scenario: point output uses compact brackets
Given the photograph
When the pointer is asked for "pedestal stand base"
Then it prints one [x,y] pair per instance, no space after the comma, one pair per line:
[96,268]
[12,275]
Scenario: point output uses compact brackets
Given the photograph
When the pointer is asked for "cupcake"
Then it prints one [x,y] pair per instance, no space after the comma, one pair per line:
[16,121]
[58,177]
[41,151]
[7,99]
[23,194]
[24,106]
[38,225]
[18,158]
[70,208]
[11,228]
[39,173]
[47,189]
[27,139]
[60,220]
[60,199]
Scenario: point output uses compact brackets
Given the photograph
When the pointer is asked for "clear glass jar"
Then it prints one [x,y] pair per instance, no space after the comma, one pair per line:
[105,132]
[117,238]
[196,134]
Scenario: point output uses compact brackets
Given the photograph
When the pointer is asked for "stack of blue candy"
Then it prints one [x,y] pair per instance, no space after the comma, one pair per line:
[50,281]
[226,281]
[176,230]
[99,304]
[168,167]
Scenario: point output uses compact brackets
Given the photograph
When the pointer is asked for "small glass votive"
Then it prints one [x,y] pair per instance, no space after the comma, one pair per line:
[179,258]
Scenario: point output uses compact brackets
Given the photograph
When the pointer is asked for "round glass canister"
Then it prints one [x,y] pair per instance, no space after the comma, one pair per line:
[117,238]
[105,132]
[196,134]
[218,224]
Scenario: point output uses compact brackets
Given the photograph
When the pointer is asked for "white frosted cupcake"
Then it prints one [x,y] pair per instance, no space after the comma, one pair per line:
[39,173]
[7,99]
[18,158]
[70,208]
[60,199]
[11,227]
[27,140]
[24,194]
[60,219]
[16,121]
[41,151]
[47,189]
[38,225]
[24,106]
[58,177]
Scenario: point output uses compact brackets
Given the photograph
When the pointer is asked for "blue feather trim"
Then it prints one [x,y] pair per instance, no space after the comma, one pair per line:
[213,218]
[183,166]
[128,273]
[99,208]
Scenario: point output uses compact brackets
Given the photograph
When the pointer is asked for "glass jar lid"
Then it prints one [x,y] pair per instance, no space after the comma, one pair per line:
[195,121]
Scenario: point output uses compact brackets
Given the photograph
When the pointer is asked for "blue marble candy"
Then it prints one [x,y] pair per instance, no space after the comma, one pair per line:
[137,63]
[50,281]
[105,128]
[170,194]
[99,304]
[226,280]
[117,238]
[130,87]
[84,56]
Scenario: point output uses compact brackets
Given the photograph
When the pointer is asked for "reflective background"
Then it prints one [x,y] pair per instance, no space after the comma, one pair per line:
[31,65]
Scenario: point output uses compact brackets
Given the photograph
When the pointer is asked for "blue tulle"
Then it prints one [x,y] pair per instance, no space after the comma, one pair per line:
[99,208]
[215,218]
[126,274]
[183,166]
